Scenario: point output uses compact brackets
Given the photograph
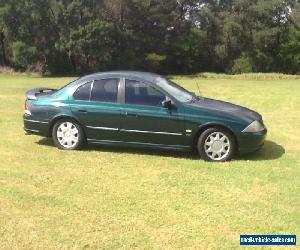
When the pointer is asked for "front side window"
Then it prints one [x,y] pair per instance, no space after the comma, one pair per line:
[142,94]
[105,90]
[83,92]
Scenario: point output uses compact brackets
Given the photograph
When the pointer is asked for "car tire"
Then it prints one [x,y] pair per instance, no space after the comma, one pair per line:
[216,145]
[68,135]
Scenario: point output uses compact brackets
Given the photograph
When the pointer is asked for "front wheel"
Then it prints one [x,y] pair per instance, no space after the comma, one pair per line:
[67,135]
[216,144]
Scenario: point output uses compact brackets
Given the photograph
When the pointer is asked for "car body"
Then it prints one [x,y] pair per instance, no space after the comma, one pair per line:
[141,109]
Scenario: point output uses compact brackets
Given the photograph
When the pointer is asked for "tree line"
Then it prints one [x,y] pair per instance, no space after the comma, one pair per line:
[167,36]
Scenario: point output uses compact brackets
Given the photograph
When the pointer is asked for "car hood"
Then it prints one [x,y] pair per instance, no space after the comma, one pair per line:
[226,107]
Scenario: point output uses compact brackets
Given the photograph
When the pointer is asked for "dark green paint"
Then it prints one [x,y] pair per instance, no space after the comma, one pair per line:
[177,127]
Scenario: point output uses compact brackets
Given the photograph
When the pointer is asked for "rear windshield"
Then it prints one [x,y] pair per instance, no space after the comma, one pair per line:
[67,85]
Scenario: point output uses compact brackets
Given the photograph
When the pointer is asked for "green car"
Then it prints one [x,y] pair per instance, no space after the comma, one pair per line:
[128,108]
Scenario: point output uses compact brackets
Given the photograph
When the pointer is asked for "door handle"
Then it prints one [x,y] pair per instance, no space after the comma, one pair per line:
[82,111]
[131,114]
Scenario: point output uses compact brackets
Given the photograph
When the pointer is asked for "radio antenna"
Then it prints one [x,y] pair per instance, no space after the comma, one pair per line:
[198,88]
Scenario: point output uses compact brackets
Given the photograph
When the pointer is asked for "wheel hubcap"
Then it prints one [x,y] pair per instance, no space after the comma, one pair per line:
[67,135]
[217,146]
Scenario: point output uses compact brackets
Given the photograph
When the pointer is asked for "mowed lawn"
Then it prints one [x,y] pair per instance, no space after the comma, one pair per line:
[109,198]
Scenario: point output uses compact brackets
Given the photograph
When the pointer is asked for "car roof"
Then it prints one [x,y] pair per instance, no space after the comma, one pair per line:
[146,76]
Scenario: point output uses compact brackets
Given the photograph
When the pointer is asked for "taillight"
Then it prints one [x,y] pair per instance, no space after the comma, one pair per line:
[27,108]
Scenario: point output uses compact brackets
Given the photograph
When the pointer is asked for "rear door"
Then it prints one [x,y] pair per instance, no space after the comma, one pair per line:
[95,104]
[145,120]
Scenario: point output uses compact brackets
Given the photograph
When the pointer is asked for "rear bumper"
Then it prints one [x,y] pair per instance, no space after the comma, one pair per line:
[36,127]
[250,142]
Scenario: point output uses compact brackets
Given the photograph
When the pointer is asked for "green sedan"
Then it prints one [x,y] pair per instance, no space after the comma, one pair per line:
[139,109]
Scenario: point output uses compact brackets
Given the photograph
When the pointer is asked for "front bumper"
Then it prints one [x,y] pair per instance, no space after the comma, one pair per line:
[250,142]
[36,127]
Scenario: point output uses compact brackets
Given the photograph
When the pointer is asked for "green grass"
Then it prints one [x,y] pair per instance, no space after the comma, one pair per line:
[113,198]
[247,76]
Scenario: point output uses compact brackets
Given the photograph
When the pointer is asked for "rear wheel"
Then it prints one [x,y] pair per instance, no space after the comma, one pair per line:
[216,144]
[67,135]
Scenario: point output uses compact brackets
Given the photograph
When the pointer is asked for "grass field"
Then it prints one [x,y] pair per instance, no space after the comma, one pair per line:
[113,198]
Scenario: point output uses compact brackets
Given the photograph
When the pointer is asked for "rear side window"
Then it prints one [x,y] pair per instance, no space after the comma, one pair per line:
[83,92]
[105,90]
[142,94]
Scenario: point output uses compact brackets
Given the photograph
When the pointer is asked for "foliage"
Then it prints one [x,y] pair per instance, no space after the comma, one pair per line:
[290,52]
[79,36]
[242,65]
[23,55]
[154,61]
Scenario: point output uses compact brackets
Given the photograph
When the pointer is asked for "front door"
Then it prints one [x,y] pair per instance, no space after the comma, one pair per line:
[145,120]
[95,105]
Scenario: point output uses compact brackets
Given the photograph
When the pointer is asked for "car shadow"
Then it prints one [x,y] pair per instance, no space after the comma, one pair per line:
[270,151]
[131,150]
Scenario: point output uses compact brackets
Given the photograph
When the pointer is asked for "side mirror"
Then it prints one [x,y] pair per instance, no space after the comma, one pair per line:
[167,104]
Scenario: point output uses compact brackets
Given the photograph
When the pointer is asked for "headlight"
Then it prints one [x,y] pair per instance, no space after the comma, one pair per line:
[254,127]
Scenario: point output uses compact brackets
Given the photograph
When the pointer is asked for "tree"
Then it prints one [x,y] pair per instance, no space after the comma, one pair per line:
[290,48]
[171,36]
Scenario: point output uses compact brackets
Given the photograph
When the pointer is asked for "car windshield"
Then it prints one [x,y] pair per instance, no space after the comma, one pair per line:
[176,91]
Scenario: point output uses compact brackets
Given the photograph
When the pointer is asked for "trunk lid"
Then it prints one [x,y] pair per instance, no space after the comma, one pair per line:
[34,94]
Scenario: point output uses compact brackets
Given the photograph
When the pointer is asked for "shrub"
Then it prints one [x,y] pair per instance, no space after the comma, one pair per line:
[242,65]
